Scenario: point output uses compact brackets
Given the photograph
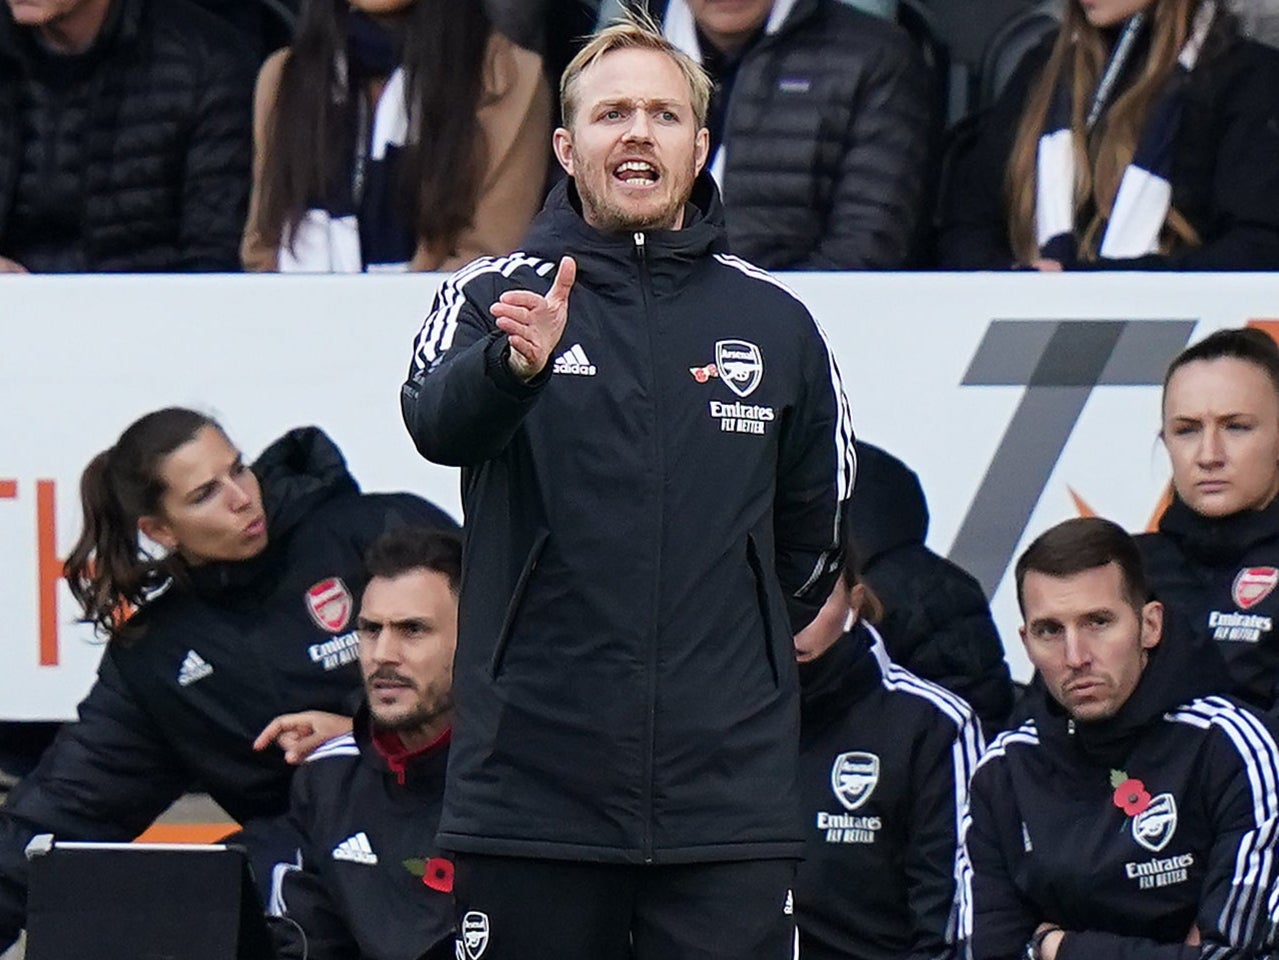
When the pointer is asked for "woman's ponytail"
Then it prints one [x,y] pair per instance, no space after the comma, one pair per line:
[107,570]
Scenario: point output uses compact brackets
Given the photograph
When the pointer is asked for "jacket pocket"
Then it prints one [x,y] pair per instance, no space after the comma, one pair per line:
[765,606]
[517,597]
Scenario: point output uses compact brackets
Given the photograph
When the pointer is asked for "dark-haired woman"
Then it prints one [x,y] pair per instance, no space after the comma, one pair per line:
[1214,561]
[1146,138]
[394,135]
[245,613]
[885,759]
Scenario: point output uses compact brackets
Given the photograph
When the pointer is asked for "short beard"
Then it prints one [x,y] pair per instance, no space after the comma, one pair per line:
[419,718]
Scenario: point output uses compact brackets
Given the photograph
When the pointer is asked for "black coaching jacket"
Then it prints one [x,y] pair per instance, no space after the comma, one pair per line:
[369,882]
[211,661]
[1195,844]
[641,518]
[1218,576]
[885,759]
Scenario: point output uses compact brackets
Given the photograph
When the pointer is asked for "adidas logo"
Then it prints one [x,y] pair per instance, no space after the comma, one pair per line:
[573,360]
[194,667]
[356,849]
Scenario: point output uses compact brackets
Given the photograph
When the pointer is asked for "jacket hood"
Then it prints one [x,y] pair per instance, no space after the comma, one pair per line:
[1219,541]
[1179,670]
[298,473]
[888,509]
[560,229]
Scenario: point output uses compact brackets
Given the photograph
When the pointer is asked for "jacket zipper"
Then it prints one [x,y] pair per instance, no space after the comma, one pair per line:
[650,725]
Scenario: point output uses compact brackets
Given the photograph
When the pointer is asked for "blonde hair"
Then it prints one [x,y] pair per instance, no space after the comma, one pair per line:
[1080,54]
[635,31]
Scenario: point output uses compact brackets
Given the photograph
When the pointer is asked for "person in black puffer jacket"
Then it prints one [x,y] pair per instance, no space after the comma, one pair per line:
[249,616]
[1214,561]
[820,130]
[124,146]
[936,621]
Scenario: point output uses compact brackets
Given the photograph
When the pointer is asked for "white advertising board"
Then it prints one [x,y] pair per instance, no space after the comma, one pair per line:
[1019,399]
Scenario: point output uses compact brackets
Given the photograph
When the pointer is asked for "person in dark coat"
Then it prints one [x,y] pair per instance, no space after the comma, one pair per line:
[245,614]
[1134,815]
[1214,561]
[369,880]
[657,454]
[936,621]
[125,137]
[885,759]
[1144,137]
[820,129]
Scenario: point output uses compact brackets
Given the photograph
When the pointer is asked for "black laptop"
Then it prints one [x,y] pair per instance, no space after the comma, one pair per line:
[139,901]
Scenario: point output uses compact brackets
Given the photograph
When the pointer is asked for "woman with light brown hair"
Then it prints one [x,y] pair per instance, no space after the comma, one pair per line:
[1146,137]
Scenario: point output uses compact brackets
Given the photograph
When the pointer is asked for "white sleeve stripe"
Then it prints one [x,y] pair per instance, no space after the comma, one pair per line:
[435,327]
[1252,886]
[440,326]
[965,752]
[845,455]
[341,746]
[276,906]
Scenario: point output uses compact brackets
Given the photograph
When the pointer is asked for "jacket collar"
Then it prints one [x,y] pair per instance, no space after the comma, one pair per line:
[1219,541]
[601,257]
[681,29]
[843,675]
[420,771]
[1180,669]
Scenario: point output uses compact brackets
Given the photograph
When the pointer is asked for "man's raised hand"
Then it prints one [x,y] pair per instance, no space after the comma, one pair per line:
[534,323]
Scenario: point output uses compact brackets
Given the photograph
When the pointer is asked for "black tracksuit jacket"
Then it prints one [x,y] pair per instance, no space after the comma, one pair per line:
[1218,576]
[884,761]
[637,528]
[936,622]
[217,657]
[368,820]
[1047,842]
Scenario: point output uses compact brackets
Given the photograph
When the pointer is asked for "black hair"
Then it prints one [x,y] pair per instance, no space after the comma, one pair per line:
[1080,544]
[403,549]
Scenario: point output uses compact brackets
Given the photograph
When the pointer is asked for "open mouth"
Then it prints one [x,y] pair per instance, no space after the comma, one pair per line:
[637,173]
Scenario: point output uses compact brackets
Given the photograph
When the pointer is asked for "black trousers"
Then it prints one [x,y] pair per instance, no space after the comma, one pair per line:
[513,908]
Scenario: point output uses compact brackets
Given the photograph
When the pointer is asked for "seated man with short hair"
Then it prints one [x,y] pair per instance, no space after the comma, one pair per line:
[1134,815]
[370,882]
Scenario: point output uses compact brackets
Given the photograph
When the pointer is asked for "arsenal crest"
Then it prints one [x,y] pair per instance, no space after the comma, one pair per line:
[1154,826]
[475,936]
[853,777]
[329,603]
[740,365]
[1253,584]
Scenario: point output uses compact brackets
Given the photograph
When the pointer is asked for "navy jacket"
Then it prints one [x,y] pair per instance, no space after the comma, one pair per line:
[640,519]
[1047,840]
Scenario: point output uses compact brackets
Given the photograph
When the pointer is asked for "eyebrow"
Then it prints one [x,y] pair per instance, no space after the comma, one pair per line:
[196,492]
[657,103]
[363,623]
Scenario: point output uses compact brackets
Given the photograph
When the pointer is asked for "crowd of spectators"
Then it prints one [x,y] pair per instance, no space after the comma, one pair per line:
[845,134]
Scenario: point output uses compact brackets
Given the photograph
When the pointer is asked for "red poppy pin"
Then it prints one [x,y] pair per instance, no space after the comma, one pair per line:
[436,873]
[1131,795]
